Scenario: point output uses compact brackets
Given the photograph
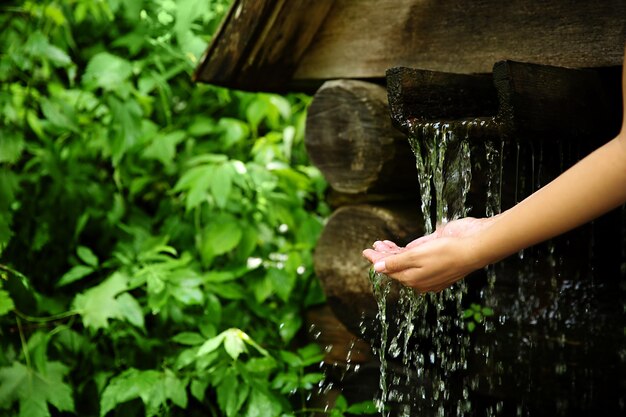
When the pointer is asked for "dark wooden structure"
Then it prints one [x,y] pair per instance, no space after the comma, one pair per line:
[545,72]
[278,45]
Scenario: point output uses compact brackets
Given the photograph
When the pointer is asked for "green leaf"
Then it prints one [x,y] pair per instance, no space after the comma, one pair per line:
[365,407]
[221,184]
[107,71]
[152,387]
[221,236]
[87,256]
[196,182]
[34,391]
[77,272]
[163,147]
[227,393]
[261,404]
[233,343]
[6,303]
[188,338]
[11,146]
[60,115]
[290,323]
[211,344]
[282,281]
[233,131]
[471,326]
[98,304]
[468,313]
[130,309]
[487,311]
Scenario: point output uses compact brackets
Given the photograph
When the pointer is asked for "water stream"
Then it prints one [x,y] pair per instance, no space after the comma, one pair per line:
[548,339]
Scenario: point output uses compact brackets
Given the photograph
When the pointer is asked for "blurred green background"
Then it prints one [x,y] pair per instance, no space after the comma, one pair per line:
[156,235]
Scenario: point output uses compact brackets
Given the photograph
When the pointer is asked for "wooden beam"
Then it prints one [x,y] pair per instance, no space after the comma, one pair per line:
[361,39]
[279,45]
[260,43]
[417,95]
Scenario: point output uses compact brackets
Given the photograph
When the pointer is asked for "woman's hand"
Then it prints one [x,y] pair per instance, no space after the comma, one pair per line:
[432,262]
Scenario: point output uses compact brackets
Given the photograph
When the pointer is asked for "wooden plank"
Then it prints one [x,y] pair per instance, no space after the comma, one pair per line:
[261,42]
[361,39]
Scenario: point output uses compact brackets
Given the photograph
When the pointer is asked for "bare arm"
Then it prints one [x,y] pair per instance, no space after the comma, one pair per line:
[587,190]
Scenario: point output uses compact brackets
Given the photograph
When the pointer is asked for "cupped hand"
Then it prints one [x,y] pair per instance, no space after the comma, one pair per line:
[432,262]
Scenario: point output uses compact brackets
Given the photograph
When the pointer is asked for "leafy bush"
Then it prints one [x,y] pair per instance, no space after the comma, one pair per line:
[155,235]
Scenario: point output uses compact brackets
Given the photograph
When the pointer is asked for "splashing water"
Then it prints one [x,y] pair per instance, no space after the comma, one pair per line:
[430,336]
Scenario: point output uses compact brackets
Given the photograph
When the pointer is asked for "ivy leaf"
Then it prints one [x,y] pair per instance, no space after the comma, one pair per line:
[34,391]
[98,304]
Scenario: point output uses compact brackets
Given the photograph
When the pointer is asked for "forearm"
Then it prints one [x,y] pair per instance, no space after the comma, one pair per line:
[589,189]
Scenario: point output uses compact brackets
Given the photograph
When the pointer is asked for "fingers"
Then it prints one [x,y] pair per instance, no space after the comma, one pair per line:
[422,240]
[395,262]
[385,246]
[374,256]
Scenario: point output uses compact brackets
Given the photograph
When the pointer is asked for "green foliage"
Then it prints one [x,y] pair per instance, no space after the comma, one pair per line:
[156,235]
[475,315]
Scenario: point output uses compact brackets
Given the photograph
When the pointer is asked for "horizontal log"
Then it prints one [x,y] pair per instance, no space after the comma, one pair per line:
[350,138]
[342,270]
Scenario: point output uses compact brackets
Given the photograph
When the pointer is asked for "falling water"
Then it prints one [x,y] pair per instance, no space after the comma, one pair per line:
[556,340]
[430,337]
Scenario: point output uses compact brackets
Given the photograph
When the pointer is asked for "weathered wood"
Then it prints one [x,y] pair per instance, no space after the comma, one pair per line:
[342,270]
[558,103]
[417,95]
[362,39]
[261,41]
[341,347]
[279,45]
[349,137]
[533,101]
